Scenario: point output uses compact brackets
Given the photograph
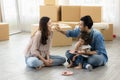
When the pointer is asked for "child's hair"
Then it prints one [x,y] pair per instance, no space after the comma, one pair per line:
[86,37]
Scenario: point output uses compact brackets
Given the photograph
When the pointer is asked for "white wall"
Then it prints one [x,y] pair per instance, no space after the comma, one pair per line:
[111,14]
[63,2]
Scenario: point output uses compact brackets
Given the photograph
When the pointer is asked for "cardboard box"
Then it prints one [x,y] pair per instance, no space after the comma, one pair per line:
[108,33]
[0,15]
[93,11]
[51,2]
[51,11]
[70,13]
[58,38]
[4,31]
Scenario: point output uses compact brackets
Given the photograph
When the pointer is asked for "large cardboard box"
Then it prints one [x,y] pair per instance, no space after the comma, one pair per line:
[58,38]
[51,2]
[108,33]
[70,13]
[4,31]
[51,11]
[93,11]
[0,15]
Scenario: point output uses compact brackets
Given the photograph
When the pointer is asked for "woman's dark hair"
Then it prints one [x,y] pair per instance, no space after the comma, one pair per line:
[43,27]
[87,20]
[86,37]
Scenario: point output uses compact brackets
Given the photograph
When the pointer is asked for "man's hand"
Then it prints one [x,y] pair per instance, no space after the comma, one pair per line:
[57,28]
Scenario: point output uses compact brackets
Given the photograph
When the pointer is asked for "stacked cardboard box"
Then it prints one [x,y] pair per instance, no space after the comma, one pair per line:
[70,13]
[74,13]
[60,39]
[50,9]
[51,2]
[93,11]
[4,31]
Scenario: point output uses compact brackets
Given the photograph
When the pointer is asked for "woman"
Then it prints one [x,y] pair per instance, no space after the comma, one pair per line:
[38,50]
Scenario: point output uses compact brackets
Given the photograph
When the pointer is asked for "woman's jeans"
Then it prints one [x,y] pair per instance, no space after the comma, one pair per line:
[35,62]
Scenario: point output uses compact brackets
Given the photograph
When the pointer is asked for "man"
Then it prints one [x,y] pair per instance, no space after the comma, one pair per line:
[98,52]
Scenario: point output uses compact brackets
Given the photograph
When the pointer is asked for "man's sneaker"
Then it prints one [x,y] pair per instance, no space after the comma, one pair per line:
[89,67]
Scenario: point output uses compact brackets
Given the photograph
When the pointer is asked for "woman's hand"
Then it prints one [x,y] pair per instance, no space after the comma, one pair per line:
[48,62]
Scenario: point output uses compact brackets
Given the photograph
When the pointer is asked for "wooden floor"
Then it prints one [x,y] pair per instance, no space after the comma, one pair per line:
[12,65]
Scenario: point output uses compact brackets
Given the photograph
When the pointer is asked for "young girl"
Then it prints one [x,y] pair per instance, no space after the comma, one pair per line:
[82,46]
[38,50]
